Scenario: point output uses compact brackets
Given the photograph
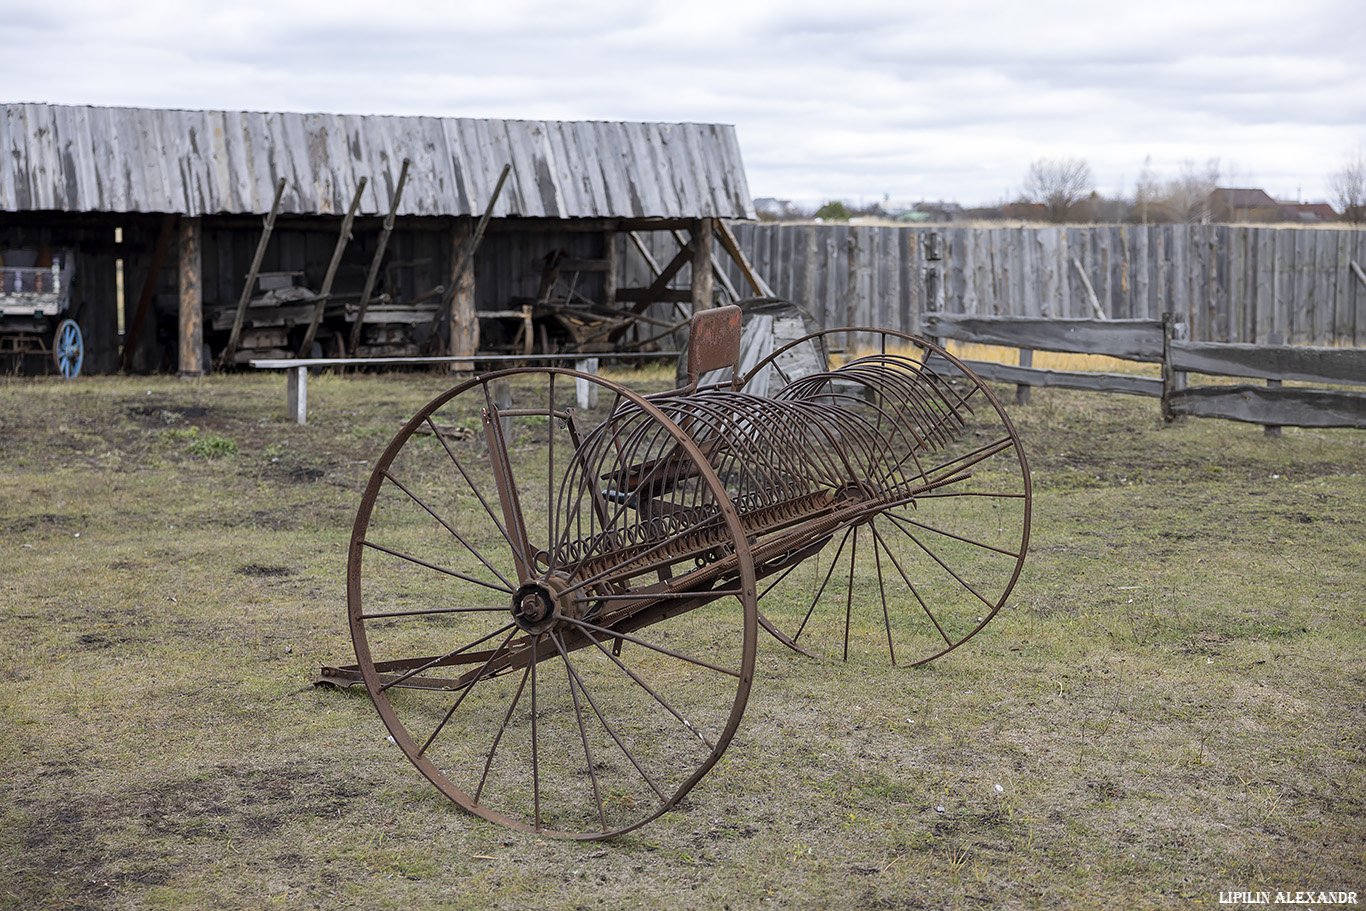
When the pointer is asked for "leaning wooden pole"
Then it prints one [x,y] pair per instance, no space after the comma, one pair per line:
[466,257]
[231,350]
[337,251]
[756,281]
[373,274]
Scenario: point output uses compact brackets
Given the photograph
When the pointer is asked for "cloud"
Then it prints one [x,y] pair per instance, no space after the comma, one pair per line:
[850,100]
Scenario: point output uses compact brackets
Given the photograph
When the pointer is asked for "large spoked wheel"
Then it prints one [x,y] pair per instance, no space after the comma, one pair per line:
[68,349]
[925,574]
[558,635]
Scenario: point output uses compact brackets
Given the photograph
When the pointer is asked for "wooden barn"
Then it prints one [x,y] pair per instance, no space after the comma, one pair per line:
[203,238]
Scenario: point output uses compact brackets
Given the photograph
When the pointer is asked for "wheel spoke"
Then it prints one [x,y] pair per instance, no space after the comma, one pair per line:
[442,660]
[821,589]
[902,521]
[583,731]
[959,579]
[432,611]
[968,459]
[891,555]
[450,528]
[466,689]
[586,629]
[635,640]
[606,726]
[434,568]
[878,546]
[502,729]
[477,490]
[849,592]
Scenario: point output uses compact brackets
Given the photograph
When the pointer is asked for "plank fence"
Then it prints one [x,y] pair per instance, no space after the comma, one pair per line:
[1226,283]
[1276,304]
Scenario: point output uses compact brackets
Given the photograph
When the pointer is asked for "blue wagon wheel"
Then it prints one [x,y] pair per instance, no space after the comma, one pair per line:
[68,349]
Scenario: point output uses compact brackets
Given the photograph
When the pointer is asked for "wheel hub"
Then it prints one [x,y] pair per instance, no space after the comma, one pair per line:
[539,604]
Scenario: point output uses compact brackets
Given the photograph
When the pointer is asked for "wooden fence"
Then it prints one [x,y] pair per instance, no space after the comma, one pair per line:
[1162,341]
[1226,283]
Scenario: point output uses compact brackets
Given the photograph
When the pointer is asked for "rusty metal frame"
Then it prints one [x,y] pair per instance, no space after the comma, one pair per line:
[670,507]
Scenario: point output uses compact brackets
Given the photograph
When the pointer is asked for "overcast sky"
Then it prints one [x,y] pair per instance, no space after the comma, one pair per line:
[838,99]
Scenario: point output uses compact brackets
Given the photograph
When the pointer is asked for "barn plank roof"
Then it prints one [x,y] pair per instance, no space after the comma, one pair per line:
[106,159]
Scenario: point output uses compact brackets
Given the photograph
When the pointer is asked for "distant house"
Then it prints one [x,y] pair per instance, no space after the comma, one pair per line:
[1230,204]
[1031,211]
[767,208]
[1309,212]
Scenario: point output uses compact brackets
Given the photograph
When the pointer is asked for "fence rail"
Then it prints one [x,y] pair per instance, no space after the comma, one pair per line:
[1271,405]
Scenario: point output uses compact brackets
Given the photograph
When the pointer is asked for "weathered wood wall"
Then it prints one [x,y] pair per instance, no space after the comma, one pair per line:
[1229,283]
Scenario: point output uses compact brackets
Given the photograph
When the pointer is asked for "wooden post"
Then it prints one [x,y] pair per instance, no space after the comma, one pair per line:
[1172,380]
[933,257]
[1022,390]
[191,299]
[464,320]
[326,292]
[296,394]
[609,277]
[586,391]
[703,282]
[1273,430]
[230,351]
[380,247]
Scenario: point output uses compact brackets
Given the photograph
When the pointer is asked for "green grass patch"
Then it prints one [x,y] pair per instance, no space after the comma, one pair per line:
[1169,707]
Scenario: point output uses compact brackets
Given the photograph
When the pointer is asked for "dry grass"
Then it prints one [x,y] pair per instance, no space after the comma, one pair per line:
[1171,706]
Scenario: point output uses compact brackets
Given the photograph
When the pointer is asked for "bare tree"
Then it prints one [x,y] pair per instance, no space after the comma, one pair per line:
[1057,185]
[1349,187]
[1189,194]
[1147,192]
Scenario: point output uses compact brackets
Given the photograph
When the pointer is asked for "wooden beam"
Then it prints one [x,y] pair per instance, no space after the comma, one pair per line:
[667,296]
[1090,292]
[644,252]
[268,226]
[703,282]
[191,298]
[1122,383]
[1356,270]
[380,247]
[342,238]
[1272,362]
[661,282]
[761,287]
[1132,339]
[1286,406]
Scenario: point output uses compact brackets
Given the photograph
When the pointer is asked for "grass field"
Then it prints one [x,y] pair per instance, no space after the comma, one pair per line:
[1172,705]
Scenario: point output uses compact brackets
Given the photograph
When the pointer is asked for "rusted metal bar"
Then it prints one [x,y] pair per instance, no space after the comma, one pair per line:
[577,612]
